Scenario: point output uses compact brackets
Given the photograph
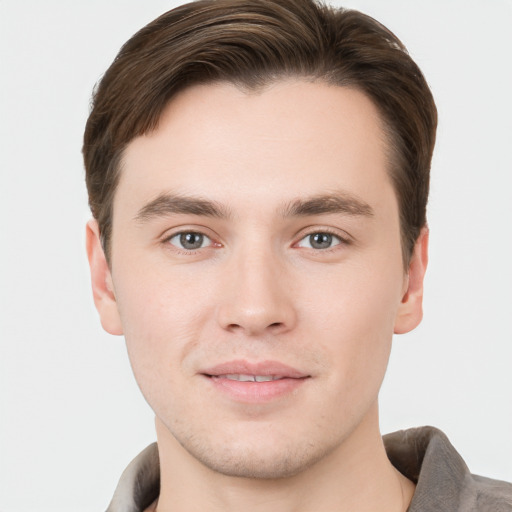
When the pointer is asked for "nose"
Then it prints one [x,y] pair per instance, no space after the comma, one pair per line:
[257,296]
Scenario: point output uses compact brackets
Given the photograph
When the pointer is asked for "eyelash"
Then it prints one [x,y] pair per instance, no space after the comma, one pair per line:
[181,250]
[325,231]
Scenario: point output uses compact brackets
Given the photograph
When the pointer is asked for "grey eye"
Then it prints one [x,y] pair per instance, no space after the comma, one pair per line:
[319,241]
[190,240]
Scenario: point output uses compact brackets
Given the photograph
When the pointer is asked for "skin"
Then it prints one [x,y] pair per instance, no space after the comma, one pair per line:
[260,289]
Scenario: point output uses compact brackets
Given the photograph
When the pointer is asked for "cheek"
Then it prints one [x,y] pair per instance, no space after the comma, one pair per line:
[156,299]
[356,320]
[355,299]
[162,316]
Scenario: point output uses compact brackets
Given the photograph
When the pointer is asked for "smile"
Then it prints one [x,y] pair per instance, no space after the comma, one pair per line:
[249,378]
[246,382]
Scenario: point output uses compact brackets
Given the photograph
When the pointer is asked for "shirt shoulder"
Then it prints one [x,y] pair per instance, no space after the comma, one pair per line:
[139,484]
[443,480]
[489,495]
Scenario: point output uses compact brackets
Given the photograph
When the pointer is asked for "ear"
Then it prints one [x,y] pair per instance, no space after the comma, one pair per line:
[410,311]
[101,280]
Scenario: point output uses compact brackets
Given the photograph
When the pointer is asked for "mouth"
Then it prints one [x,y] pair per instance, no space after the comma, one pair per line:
[248,378]
[246,382]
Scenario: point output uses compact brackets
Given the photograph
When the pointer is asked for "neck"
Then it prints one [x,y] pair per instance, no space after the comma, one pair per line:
[356,476]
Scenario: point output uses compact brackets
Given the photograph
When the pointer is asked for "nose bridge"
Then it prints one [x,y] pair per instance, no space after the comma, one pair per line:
[257,298]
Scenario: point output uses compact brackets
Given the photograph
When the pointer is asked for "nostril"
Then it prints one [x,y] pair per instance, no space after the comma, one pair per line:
[273,326]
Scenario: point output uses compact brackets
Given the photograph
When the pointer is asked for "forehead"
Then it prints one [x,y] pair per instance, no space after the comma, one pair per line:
[291,138]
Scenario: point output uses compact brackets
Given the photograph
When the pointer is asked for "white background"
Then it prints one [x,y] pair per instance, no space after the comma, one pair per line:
[71,416]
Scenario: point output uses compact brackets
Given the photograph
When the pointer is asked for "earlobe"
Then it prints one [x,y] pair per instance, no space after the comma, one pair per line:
[410,310]
[101,281]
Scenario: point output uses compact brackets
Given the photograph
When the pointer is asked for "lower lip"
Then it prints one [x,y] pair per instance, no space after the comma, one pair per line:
[256,392]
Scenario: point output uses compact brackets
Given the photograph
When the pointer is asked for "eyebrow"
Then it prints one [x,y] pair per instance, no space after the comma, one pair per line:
[339,202]
[169,204]
[174,204]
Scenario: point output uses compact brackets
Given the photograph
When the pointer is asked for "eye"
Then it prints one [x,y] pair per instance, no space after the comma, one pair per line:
[190,240]
[320,240]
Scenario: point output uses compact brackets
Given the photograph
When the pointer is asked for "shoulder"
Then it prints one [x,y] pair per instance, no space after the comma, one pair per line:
[486,494]
[443,481]
[139,484]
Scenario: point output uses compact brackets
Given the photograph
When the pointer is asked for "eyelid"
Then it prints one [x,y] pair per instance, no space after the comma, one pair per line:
[180,233]
[307,244]
[169,234]
[342,236]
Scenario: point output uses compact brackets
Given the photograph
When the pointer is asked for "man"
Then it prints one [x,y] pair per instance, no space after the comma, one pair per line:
[258,176]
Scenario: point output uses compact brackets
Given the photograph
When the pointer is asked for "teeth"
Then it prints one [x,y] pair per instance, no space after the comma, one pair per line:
[265,378]
[241,378]
[250,378]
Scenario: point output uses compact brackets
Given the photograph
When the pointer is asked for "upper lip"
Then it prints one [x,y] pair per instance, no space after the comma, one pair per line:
[263,368]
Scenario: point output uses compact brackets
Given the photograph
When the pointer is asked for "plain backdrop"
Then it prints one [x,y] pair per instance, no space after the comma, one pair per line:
[71,416]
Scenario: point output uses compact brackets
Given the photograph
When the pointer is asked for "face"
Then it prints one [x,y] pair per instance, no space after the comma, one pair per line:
[257,272]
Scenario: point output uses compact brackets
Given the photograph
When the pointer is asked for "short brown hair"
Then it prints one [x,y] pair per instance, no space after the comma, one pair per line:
[251,43]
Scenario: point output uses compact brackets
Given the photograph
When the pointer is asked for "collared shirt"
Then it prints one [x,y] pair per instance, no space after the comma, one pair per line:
[424,455]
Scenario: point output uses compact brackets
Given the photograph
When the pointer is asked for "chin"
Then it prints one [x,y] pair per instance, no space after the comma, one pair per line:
[257,461]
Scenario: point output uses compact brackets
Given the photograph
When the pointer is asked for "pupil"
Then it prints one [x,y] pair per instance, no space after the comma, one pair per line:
[191,240]
[321,240]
